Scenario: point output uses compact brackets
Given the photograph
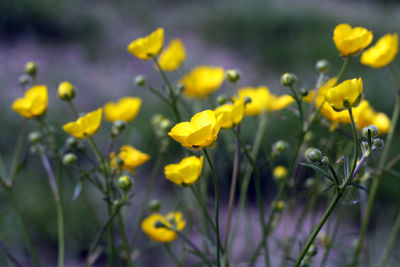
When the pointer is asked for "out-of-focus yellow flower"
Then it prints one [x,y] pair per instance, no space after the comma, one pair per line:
[66,91]
[383,52]
[232,114]
[85,126]
[34,102]
[130,156]
[365,115]
[158,227]
[186,172]
[125,109]
[346,94]
[279,172]
[146,48]
[201,131]
[172,56]
[321,91]
[350,40]
[201,81]
[263,100]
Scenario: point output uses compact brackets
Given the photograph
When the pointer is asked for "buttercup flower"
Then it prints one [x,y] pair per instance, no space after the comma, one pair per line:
[263,100]
[85,126]
[365,115]
[66,91]
[146,48]
[34,102]
[201,131]
[350,40]
[346,94]
[382,53]
[185,172]
[158,227]
[232,114]
[131,158]
[125,109]
[202,81]
[172,57]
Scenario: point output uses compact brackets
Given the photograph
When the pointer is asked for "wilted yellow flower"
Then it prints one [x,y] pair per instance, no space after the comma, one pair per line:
[146,48]
[130,156]
[202,81]
[346,94]
[263,100]
[232,114]
[34,102]
[172,56]
[125,109]
[158,227]
[279,172]
[383,52]
[350,40]
[85,126]
[66,91]
[365,115]
[186,172]
[201,131]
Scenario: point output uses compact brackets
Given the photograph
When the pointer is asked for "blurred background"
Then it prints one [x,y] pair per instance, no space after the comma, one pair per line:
[84,42]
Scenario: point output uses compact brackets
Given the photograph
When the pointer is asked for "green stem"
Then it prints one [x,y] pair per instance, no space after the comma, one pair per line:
[394,233]
[172,255]
[216,189]
[17,155]
[204,208]
[194,247]
[356,146]
[125,242]
[342,70]
[155,92]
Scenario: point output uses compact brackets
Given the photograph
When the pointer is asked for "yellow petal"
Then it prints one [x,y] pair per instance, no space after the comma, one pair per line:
[147,47]
[202,81]
[350,40]
[172,57]
[382,53]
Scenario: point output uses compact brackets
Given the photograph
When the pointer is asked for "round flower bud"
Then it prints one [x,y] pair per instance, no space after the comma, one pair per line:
[156,119]
[372,128]
[304,92]
[232,75]
[322,65]
[154,205]
[165,124]
[69,159]
[31,68]
[281,145]
[288,79]
[66,91]
[377,144]
[34,137]
[140,80]
[222,99]
[120,125]
[313,155]
[72,142]
[279,173]
[325,160]
[124,183]
[120,162]
[278,206]
[23,80]
[324,239]
[312,251]
[247,100]
[180,87]
[310,182]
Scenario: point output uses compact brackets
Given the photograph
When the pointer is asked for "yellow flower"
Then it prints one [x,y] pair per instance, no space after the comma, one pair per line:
[263,100]
[146,48]
[350,40]
[172,57]
[66,91]
[85,126]
[383,52]
[185,172]
[279,172]
[201,131]
[158,227]
[34,102]
[125,109]
[365,115]
[232,114]
[346,94]
[131,158]
[321,91]
[202,81]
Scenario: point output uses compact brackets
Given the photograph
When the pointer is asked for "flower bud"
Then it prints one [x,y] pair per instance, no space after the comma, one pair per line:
[372,128]
[31,68]
[124,183]
[279,173]
[165,124]
[288,79]
[72,142]
[325,160]
[140,80]
[312,251]
[278,205]
[281,145]
[66,91]
[156,119]
[69,159]
[247,100]
[232,75]
[154,205]
[303,92]
[310,182]
[180,88]
[34,137]
[322,66]
[377,144]
[324,239]
[23,80]
[222,99]
[120,125]
[313,155]
[120,162]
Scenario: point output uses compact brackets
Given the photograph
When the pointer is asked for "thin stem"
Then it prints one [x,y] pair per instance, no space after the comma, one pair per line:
[172,255]
[9,255]
[155,92]
[394,233]
[216,189]
[355,143]
[342,70]
[16,155]
[125,242]
[74,110]
[193,246]
[204,208]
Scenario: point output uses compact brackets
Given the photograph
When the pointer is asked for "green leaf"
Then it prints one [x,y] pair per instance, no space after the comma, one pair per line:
[346,166]
[318,169]
[2,169]
[360,187]
[326,189]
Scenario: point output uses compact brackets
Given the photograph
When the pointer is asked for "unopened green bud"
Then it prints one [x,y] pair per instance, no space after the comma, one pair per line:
[156,119]
[124,183]
[312,251]
[377,144]
[304,92]
[69,159]
[247,100]
[313,155]
[154,205]
[24,80]
[140,80]
[281,145]
[120,162]
[222,99]
[165,124]
[34,137]
[310,182]
[308,137]
[232,75]
[31,68]
[325,160]
[180,87]
[72,142]
[288,79]
[371,128]
[120,125]
[322,66]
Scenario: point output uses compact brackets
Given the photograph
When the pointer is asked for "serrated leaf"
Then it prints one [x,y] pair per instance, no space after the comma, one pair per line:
[78,189]
[360,187]
[318,169]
